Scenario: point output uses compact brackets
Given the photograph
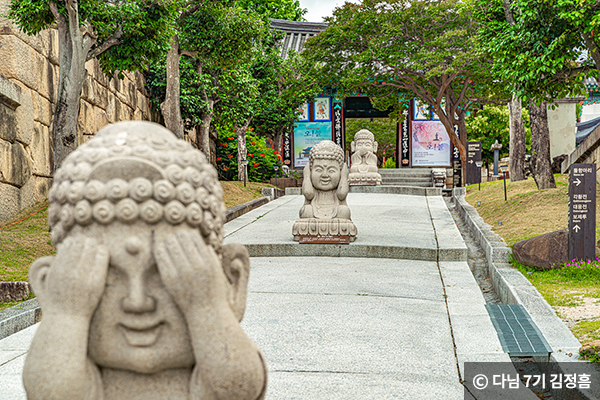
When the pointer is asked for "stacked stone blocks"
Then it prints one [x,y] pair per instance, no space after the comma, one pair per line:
[28,84]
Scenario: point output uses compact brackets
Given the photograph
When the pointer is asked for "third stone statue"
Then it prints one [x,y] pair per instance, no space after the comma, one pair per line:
[325,216]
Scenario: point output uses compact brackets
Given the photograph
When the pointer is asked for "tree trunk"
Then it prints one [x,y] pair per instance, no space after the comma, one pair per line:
[517,147]
[242,149]
[171,107]
[540,146]
[203,136]
[73,51]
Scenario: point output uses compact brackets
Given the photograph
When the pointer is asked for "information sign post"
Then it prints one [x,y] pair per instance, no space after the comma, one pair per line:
[473,155]
[582,212]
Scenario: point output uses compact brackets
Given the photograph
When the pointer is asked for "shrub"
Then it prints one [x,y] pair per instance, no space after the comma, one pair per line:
[261,158]
[389,163]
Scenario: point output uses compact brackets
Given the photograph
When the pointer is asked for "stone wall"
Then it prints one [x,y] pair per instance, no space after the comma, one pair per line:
[28,85]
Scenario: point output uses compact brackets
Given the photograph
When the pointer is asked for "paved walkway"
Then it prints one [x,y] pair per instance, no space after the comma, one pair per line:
[397,326]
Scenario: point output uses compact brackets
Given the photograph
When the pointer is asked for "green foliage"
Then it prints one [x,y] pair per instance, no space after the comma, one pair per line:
[491,123]
[384,130]
[389,163]
[395,50]
[539,56]
[261,158]
[146,27]
[279,9]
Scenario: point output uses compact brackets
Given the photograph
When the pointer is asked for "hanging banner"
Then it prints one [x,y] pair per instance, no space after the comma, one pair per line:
[306,135]
[430,144]
[287,149]
[322,109]
[456,162]
[404,141]
[338,133]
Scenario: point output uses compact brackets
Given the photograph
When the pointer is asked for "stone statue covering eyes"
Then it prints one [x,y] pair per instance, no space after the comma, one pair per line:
[325,213]
[142,300]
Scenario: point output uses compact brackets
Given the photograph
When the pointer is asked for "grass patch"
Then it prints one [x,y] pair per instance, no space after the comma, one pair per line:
[564,287]
[234,192]
[25,238]
[528,212]
[587,331]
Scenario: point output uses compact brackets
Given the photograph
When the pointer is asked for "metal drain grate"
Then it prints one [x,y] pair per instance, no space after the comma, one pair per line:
[517,332]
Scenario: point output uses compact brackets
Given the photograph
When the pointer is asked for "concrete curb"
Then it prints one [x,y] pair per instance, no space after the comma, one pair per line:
[410,190]
[354,250]
[28,313]
[513,288]
[19,317]
[235,211]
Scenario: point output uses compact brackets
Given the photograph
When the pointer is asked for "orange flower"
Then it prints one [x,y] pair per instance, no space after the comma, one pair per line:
[253,142]
[218,158]
[275,152]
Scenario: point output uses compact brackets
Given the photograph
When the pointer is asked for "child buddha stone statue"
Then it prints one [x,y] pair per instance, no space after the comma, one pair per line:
[325,188]
[363,169]
[142,300]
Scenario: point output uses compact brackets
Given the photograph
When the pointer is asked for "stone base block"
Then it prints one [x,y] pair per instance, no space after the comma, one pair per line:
[368,178]
[14,291]
[324,227]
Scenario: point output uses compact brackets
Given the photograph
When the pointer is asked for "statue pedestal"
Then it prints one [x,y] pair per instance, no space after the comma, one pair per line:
[364,179]
[328,231]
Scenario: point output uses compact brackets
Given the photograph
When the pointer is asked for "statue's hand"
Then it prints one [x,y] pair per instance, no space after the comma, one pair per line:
[191,271]
[74,281]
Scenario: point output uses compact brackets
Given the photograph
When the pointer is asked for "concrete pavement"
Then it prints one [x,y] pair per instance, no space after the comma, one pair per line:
[396,326]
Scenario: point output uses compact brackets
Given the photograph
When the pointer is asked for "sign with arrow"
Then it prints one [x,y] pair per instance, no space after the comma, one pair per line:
[473,155]
[582,212]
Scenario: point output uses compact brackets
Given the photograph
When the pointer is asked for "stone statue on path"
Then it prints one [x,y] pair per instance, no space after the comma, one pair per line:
[325,216]
[363,169]
[142,300]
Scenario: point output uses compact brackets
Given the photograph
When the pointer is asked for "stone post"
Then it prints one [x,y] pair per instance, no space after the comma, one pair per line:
[496,148]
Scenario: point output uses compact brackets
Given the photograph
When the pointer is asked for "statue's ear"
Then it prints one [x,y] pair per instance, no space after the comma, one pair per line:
[236,265]
[352,146]
[375,146]
[38,273]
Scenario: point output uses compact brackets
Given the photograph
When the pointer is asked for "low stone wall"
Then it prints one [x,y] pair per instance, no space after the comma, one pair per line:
[28,89]
[513,288]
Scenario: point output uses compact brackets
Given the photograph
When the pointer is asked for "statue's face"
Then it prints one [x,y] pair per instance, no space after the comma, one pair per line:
[137,325]
[325,174]
[364,146]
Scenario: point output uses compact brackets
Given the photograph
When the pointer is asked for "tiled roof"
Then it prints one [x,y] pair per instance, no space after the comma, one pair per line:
[296,33]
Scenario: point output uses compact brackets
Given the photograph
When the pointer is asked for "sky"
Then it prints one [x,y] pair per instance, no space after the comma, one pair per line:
[317,9]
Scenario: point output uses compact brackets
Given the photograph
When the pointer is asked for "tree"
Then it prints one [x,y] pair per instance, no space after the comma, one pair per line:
[539,54]
[214,35]
[384,130]
[124,35]
[390,49]
[492,123]
[288,10]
